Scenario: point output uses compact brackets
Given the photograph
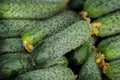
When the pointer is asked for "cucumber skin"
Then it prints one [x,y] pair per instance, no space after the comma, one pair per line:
[11,45]
[99,8]
[80,54]
[62,42]
[110,47]
[15,28]
[53,73]
[90,70]
[29,9]
[62,61]
[113,72]
[49,27]
[110,24]
[13,64]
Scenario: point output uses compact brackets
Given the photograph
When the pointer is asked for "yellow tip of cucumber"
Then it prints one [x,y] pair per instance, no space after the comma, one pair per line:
[28,47]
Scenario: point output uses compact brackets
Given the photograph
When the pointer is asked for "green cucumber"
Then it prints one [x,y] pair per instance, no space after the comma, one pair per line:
[53,73]
[15,28]
[110,24]
[11,45]
[47,28]
[90,70]
[113,72]
[97,8]
[13,64]
[110,47]
[80,54]
[62,61]
[30,9]
[62,42]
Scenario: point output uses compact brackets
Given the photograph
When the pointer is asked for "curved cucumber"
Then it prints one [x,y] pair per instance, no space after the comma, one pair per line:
[11,45]
[80,55]
[113,72]
[62,42]
[110,24]
[15,28]
[30,9]
[51,26]
[13,64]
[97,8]
[53,73]
[110,47]
[90,70]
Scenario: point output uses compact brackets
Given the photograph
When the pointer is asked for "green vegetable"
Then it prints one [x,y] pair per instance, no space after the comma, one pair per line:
[90,70]
[11,45]
[62,42]
[30,9]
[53,73]
[13,64]
[97,8]
[113,72]
[15,28]
[47,28]
[110,47]
[110,24]
[80,55]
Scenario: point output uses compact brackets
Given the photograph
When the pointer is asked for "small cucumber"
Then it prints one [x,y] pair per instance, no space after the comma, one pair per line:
[97,8]
[30,9]
[110,24]
[53,73]
[110,47]
[113,72]
[62,42]
[90,70]
[13,64]
[80,54]
[11,45]
[47,28]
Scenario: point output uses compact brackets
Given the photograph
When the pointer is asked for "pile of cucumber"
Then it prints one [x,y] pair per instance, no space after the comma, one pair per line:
[59,39]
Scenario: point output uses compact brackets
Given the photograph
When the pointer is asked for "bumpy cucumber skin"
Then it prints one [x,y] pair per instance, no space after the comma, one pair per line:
[15,28]
[11,45]
[13,64]
[53,73]
[30,9]
[113,72]
[97,8]
[80,54]
[110,47]
[50,26]
[90,70]
[62,42]
[110,24]
[62,61]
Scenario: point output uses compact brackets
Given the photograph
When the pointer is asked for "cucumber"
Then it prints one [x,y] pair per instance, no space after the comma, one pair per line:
[62,42]
[110,24]
[53,73]
[110,47]
[30,9]
[15,28]
[11,45]
[47,28]
[62,61]
[113,72]
[80,54]
[76,4]
[13,64]
[90,70]
[97,8]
